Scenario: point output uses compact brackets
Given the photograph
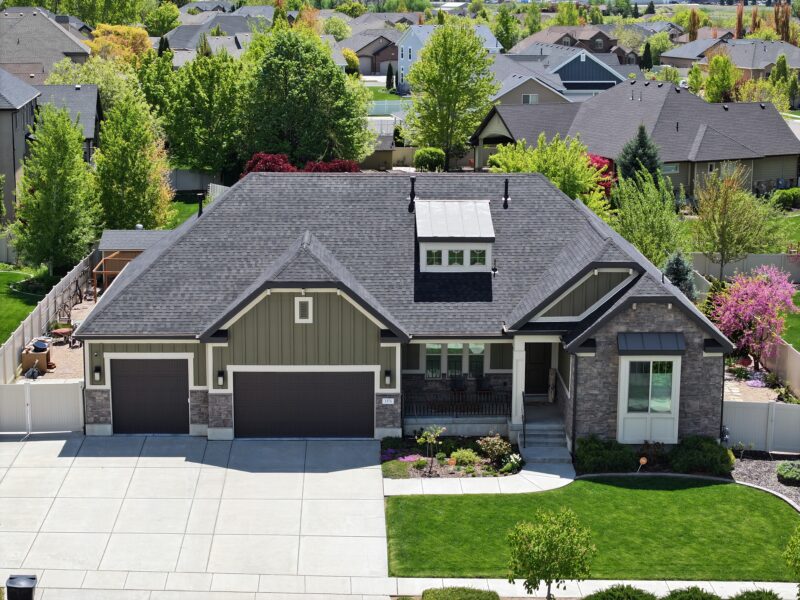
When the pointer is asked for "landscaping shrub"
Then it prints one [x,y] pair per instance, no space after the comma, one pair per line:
[756,595]
[594,455]
[697,454]
[691,593]
[621,592]
[789,472]
[420,464]
[459,593]
[495,448]
[429,159]
[338,165]
[464,457]
[268,163]
[787,199]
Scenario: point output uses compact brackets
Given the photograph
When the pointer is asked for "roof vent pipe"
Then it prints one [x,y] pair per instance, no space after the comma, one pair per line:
[412,196]
[505,195]
[77,86]
[200,205]
[138,227]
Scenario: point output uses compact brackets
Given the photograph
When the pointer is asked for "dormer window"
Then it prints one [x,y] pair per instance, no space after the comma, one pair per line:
[454,235]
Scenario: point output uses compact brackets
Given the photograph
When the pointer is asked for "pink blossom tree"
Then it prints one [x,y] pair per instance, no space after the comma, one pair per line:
[751,310]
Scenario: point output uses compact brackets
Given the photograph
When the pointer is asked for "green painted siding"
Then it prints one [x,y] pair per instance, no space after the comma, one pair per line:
[770,169]
[563,364]
[501,357]
[388,363]
[586,294]
[97,352]
[267,335]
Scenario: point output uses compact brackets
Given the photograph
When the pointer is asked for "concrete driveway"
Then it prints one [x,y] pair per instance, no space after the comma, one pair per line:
[145,512]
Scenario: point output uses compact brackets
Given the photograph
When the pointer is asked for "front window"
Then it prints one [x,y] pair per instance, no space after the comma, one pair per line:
[670,169]
[650,387]
[433,257]
[433,361]
[401,52]
[455,360]
[475,359]
[530,98]
[477,257]
[712,167]
[455,257]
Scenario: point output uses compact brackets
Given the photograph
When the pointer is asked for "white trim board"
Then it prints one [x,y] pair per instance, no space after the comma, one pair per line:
[597,304]
[109,356]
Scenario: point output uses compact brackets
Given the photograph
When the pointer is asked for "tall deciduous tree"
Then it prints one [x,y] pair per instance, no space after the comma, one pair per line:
[119,42]
[506,27]
[303,105]
[131,168]
[533,18]
[552,549]
[695,79]
[639,152]
[56,219]
[646,215]
[113,79]
[721,80]
[157,80]
[739,30]
[204,116]
[694,24]
[566,14]
[780,72]
[659,43]
[163,19]
[679,271]
[337,27]
[453,88]
[732,222]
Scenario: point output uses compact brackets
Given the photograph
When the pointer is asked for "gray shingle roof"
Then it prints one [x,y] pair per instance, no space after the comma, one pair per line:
[186,37]
[35,38]
[693,50]
[759,54]
[130,239]
[81,103]
[359,231]
[265,11]
[505,67]
[357,41]
[672,117]
[208,5]
[14,93]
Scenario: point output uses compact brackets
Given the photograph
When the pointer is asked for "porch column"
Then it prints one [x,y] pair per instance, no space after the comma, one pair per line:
[518,381]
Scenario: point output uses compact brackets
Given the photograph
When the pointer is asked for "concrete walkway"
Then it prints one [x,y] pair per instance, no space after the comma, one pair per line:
[63,585]
[533,478]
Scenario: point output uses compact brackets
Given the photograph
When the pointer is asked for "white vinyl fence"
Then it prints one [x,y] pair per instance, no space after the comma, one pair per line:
[7,253]
[388,107]
[37,322]
[41,406]
[785,262]
[767,426]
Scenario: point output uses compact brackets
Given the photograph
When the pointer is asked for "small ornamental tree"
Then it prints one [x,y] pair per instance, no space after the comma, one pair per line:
[551,550]
[640,152]
[792,556]
[695,79]
[337,165]
[651,8]
[430,439]
[679,271]
[603,165]
[751,310]
[262,162]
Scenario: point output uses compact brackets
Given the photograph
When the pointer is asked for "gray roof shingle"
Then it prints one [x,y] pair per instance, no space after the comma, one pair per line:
[80,101]
[186,37]
[130,239]
[14,93]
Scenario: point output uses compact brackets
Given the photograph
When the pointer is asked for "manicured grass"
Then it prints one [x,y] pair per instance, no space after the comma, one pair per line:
[14,307]
[394,469]
[183,210]
[643,528]
[381,93]
[791,332]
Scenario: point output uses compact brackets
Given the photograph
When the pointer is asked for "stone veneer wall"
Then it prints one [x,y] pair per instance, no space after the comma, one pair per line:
[97,406]
[198,407]
[598,376]
[388,416]
[220,411]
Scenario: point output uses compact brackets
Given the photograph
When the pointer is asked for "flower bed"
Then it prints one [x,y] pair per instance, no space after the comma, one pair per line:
[490,456]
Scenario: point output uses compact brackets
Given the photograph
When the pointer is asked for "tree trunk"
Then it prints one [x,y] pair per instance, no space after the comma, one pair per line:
[721,269]
[549,593]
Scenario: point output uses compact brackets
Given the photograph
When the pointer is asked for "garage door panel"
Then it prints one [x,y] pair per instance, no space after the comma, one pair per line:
[150,395]
[304,404]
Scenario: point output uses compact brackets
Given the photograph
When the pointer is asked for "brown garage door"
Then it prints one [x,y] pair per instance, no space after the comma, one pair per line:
[303,404]
[150,396]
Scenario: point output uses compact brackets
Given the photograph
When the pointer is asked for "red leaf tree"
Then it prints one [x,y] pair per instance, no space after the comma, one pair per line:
[269,163]
[606,167]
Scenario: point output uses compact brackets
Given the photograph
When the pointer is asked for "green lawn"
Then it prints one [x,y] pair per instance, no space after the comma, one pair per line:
[643,528]
[381,93]
[791,332]
[14,307]
[183,210]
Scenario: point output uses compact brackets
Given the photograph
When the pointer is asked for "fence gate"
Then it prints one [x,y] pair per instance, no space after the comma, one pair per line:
[41,406]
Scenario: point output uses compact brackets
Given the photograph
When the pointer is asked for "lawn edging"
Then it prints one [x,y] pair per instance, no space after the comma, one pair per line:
[788,501]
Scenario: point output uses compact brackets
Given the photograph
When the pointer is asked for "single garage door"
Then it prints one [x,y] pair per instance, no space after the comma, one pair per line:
[303,404]
[150,396]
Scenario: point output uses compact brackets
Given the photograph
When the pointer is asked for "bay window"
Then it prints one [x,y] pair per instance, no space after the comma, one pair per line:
[649,398]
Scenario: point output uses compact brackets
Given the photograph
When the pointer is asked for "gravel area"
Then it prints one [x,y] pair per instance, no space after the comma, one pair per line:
[759,468]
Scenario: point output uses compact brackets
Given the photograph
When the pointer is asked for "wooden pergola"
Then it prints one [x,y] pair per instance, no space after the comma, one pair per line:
[110,266]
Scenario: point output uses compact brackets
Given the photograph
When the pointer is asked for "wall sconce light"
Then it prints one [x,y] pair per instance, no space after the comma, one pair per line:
[220,378]
[97,372]
[387,376]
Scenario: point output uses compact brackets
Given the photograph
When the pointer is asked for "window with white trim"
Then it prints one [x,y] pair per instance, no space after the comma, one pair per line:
[303,310]
[566,41]
[712,167]
[433,258]
[530,98]
[598,44]
[453,257]
[670,169]
[401,52]
[409,53]
[649,398]
[454,360]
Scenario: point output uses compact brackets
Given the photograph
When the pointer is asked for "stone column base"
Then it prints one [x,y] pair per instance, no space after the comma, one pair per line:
[388,415]
[97,412]
[102,429]
[198,412]
[220,433]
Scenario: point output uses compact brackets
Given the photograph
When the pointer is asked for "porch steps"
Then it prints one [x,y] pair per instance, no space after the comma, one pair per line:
[544,442]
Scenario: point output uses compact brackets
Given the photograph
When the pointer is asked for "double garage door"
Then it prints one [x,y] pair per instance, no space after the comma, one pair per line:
[151,396]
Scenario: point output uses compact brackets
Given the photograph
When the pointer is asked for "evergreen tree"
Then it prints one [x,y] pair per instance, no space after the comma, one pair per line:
[389,77]
[651,8]
[163,45]
[595,16]
[440,17]
[131,168]
[635,10]
[695,79]
[780,72]
[679,271]
[203,47]
[56,219]
[639,153]
[647,58]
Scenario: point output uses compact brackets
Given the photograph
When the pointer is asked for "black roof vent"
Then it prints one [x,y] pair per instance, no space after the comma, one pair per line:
[677,90]
[412,196]
[505,195]
[724,107]
[646,83]
[763,106]
[660,83]
[633,81]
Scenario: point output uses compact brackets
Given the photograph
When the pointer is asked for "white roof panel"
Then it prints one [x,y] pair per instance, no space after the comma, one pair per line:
[465,220]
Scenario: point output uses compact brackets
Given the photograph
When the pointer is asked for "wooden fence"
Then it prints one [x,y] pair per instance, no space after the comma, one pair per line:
[767,426]
[38,321]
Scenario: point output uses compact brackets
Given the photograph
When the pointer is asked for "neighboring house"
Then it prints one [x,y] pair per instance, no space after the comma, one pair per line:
[31,43]
[204,6]
[186,37]
[374,20]
[685,55]
[589,37]
[693,136]
[455,8]
[475,300]
[17,110]
[376,49]
[582,73]
[83,103]
[755,58]
[266,11]
[653,26]
[336,52]
[413,39]
[72,24]
[707,33]
[234,45]
[525,82]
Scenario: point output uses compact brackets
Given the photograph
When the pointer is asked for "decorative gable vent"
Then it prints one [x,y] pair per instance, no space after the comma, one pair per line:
[303,310]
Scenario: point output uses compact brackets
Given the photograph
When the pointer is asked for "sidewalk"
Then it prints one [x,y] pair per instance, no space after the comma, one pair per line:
[288,587]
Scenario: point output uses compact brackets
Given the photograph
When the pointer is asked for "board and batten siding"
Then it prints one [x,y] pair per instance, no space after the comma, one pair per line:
[586,294]
[388,363]
[340,334]
[775,167]
[97,351]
